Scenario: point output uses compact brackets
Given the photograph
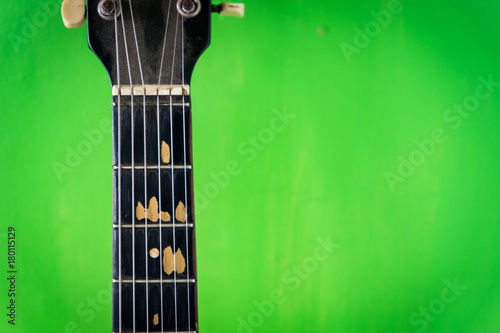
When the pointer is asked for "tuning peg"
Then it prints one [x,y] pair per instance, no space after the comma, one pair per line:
[73,13]
[229,9]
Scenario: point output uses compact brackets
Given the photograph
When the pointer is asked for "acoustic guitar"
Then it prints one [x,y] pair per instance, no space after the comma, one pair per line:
[149,49]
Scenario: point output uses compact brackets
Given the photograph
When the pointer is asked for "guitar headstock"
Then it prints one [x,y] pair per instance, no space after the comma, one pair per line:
[147,42]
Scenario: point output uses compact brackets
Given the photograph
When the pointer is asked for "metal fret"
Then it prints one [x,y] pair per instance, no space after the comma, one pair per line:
[162,331]
[150,104]
[153,167]
[164,225]
[157,281]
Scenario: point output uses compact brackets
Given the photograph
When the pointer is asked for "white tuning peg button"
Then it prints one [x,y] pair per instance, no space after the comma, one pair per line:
[73,13]
[231,9]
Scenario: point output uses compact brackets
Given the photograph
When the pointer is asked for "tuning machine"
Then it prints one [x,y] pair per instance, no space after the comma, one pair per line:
[73,13]
[229,9]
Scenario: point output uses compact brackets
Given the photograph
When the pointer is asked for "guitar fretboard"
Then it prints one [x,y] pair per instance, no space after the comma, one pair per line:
[154,262]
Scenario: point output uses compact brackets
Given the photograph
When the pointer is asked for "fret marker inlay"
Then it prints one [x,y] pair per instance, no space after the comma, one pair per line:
[168,261]
[180,212]
[151,212]
[156,320]
[154,253]
[165,152]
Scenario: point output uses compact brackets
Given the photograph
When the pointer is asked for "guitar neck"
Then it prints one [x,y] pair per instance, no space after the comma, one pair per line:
[154,259]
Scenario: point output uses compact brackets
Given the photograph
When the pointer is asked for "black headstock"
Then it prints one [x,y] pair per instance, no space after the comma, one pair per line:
[149,42]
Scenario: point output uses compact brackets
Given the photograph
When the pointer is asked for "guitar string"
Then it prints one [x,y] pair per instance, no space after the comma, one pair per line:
[185,175]
[119,182]
[159,167]
[145,167]
[132,162]
[172,171]
[159,200]
[164,44]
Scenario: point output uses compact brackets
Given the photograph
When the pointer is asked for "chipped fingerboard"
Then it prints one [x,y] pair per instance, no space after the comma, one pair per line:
[154,262]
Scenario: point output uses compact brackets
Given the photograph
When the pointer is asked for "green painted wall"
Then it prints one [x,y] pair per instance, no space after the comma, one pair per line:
[393,155]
